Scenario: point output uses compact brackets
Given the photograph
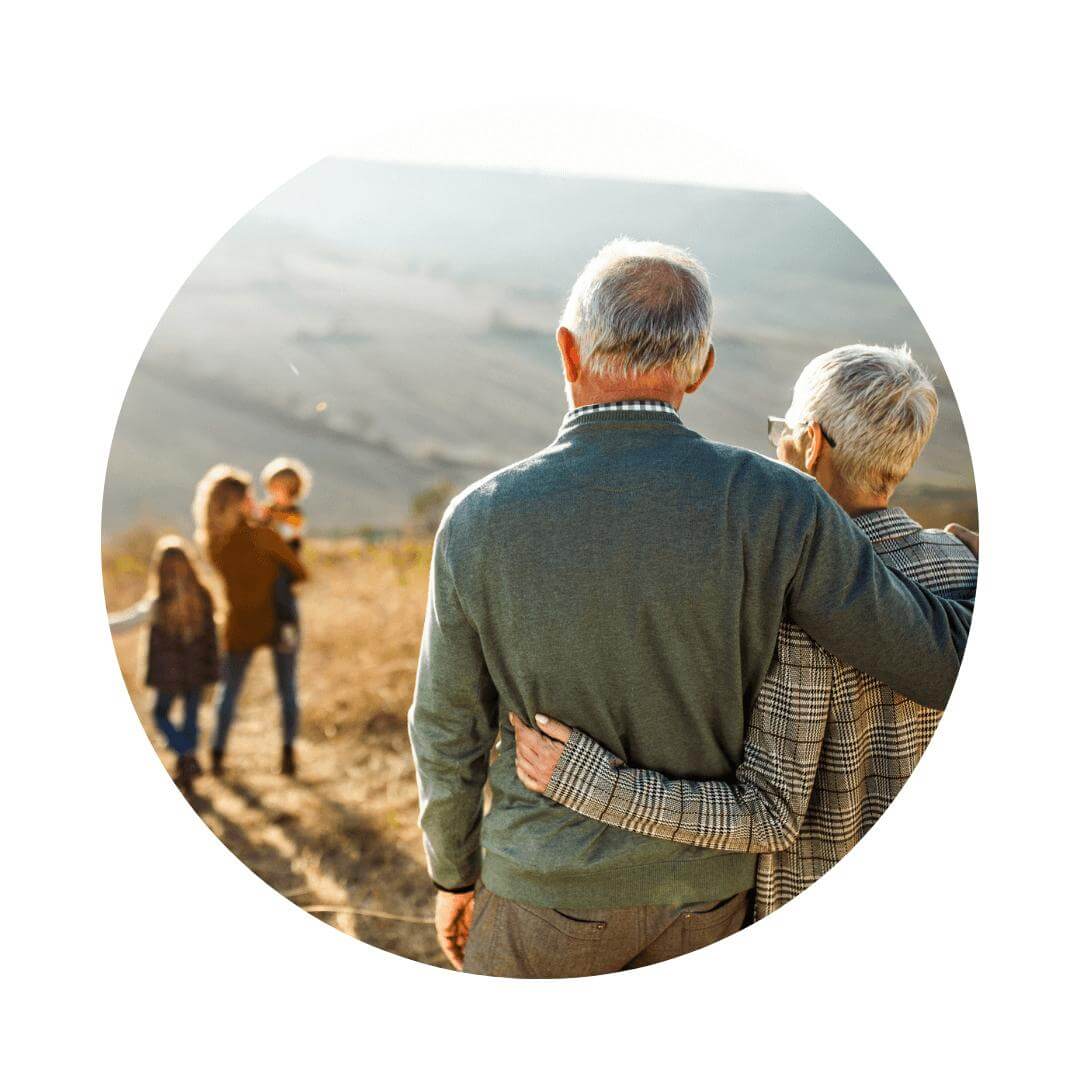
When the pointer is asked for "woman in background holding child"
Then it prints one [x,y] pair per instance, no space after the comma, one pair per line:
[250,557]
[182,653]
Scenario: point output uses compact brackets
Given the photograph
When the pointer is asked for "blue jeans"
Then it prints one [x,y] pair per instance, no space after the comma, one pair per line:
[233,671]
[285,606]
[182,739]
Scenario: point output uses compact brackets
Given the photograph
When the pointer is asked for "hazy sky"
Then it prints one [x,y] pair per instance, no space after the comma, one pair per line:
[613,145]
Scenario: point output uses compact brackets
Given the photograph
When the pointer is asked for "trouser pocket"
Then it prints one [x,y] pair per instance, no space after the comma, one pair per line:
[525,942]
[704,925]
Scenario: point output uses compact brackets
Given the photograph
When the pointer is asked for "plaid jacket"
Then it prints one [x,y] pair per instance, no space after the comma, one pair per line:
[826,750]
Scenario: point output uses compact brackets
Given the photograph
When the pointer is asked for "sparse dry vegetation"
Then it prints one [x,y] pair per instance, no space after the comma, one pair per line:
[428,507]
[343,834]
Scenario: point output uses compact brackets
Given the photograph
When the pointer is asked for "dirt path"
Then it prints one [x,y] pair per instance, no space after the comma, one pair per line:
[329,838]
[339,839]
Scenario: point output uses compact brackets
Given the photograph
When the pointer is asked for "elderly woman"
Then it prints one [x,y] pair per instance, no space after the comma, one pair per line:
[249,558]
[827,747]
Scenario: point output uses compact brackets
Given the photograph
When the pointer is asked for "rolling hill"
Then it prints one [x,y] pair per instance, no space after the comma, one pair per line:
[393,326]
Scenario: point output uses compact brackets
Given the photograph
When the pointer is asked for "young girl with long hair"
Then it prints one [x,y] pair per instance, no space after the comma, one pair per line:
[182,651]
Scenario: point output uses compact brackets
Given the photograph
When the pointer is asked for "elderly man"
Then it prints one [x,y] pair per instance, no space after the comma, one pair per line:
[828,747]
[633,574]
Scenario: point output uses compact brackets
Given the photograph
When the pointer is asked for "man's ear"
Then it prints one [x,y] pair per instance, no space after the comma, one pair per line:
[814,448]
[710,360]
[571,355]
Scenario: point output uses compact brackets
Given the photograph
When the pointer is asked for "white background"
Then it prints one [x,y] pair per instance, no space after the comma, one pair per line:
[135,944]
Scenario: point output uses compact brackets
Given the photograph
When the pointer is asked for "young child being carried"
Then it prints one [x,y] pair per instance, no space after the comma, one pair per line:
[287,483]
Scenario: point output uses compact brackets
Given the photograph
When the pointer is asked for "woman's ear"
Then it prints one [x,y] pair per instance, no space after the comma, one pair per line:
[812,450]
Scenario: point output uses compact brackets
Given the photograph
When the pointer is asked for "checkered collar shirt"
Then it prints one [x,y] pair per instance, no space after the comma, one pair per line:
[584,413]
[827,747]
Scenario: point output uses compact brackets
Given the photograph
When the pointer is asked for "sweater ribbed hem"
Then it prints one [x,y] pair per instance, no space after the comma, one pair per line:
[667,884]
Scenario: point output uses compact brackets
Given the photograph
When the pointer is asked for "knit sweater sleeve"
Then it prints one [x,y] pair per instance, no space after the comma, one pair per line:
[874,618]
[282,553]
[452,726]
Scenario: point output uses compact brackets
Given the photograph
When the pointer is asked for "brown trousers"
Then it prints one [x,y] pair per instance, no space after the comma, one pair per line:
[523,942]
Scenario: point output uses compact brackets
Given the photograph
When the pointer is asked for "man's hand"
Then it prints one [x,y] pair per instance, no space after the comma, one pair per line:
[537,754]
[971,539]
[453,920]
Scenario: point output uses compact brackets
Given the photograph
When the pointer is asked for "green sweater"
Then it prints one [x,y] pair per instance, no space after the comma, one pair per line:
[631,578]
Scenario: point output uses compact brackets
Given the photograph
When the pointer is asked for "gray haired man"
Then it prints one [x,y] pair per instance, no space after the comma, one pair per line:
[651,606]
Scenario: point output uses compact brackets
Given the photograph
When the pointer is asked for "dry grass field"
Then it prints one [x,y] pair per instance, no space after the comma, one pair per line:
[340,839]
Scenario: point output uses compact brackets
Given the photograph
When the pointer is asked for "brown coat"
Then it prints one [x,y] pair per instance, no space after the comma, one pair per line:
[176,666]
[249,561]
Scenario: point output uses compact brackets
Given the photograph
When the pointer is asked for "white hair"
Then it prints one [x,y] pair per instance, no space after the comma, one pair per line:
[640,306]
[876,403]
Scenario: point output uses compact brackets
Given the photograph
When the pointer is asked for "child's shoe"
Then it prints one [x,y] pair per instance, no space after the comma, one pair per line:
[288,761]
[187,768]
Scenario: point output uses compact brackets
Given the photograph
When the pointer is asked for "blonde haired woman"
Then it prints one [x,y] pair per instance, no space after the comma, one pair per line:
[249,558]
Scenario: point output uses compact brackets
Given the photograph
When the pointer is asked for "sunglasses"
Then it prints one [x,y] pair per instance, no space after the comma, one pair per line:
[778,425]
